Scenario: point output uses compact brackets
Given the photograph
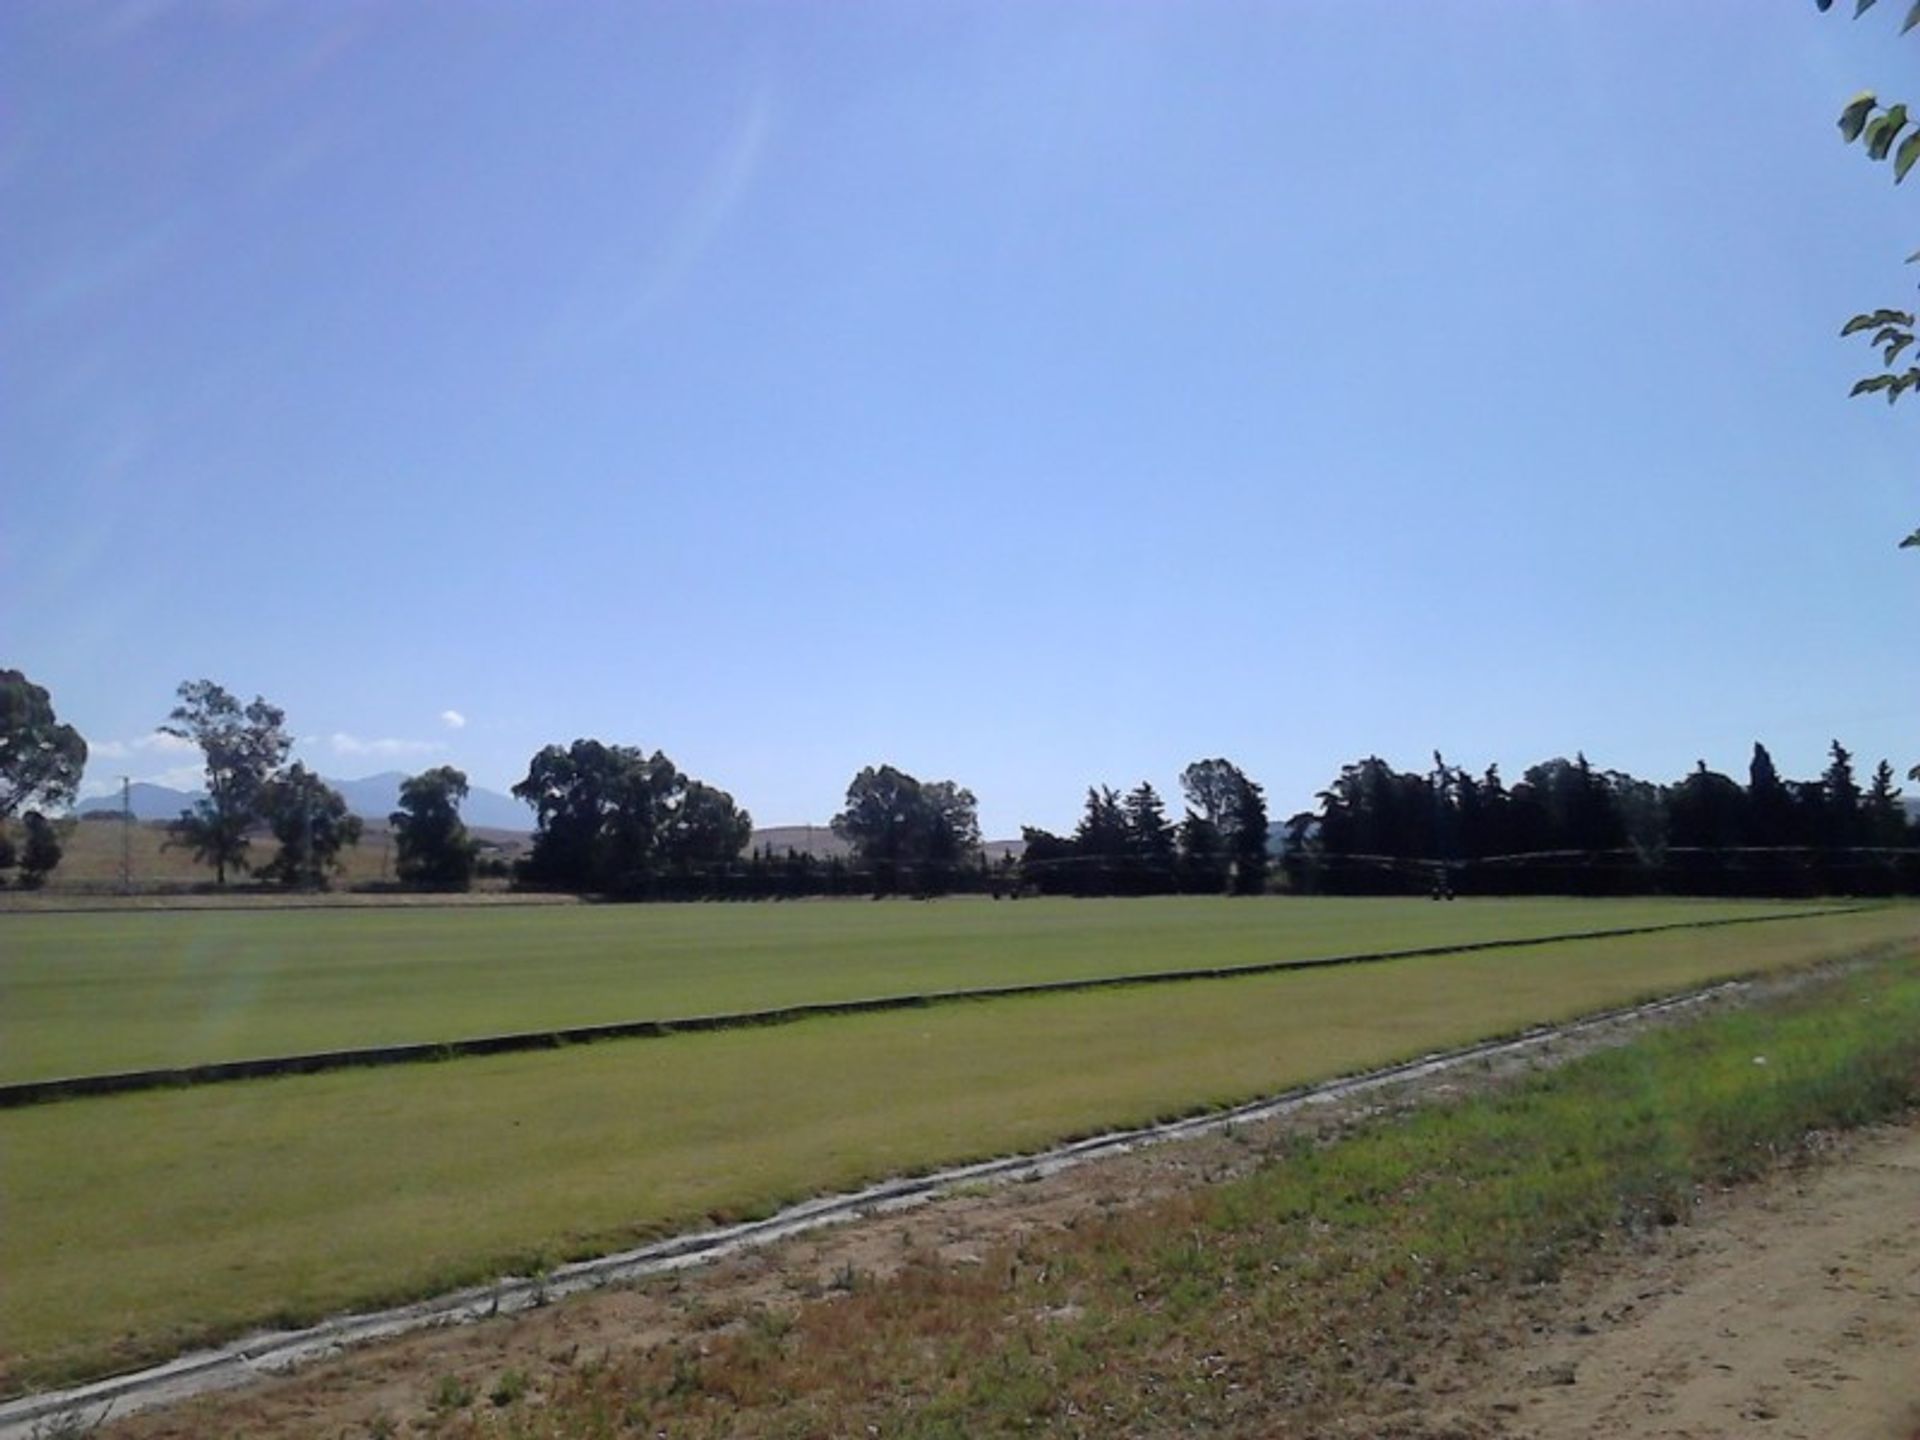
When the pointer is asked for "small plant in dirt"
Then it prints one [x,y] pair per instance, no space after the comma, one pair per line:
[846,1279]
[510,1387]
[451,1392]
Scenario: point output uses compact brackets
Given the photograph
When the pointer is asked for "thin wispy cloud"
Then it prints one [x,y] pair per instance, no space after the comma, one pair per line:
[453,720]
[638,274]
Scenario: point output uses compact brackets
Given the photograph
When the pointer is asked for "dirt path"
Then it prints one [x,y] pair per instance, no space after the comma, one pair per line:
[1791,1309]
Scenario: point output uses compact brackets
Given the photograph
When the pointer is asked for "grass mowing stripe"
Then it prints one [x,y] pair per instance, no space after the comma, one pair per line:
[119,1082]
[140,1225]
[87,994]
[1276,1302]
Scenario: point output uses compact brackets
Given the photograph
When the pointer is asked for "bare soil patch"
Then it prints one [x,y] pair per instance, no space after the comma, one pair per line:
[1789,1309]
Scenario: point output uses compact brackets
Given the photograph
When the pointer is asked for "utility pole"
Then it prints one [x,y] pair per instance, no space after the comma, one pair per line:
[126,835]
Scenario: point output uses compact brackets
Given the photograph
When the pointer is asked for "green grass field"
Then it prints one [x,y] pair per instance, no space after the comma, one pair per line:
[86,993]
[137,1224]
[1291,1300]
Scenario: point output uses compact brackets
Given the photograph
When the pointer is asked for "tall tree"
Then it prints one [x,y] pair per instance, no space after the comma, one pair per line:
[1150,838]
[311,821]
[242,747]
[1100,843]
[1249,838]
[705,831]
[1885,821]
[1211,787]
[1840,799]
[1769,802]
[1229,805]
[41,760]
[432,840]
[908,829]
[600,811]
[1204,865]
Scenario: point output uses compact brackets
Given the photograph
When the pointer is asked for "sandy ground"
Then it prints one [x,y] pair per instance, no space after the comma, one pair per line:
[1790,1309]
[1786,1308]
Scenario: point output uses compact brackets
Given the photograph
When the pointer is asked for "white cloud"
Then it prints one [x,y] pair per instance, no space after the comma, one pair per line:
[385,748]
[154,743]
[453,720]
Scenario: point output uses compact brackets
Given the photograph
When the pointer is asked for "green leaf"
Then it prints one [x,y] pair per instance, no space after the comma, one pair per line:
[1854,118]
[1881,133]
[1912,542]
[1909,152]
[1894,347]
[1862,6]
[1913,18]
[1823,5]
[1869,385]
[1875,318]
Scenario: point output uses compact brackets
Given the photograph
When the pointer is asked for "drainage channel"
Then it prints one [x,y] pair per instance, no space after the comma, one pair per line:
[83,1408]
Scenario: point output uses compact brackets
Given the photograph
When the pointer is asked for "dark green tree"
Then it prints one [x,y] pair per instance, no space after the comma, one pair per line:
[600,811]
[1769,802]
[1885,821]
[40,852]
[1203,856]
[908,831]
[1706,810]
[41,760]
[1100,844]
[1249,840]
[1047,861]
[1840,799]
[431,838]
[705,831]
[310,820]
[1230,806]
[1151,839]
[242,746]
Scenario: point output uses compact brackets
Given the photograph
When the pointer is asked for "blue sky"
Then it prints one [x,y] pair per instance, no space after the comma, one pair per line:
[1027,394]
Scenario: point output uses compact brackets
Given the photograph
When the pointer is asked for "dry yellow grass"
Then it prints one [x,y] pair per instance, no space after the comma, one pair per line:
[94,849]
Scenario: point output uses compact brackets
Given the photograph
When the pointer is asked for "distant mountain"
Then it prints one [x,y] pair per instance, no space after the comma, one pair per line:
[149,802]
[373,798]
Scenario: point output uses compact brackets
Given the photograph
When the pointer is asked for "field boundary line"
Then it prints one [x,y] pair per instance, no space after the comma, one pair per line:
[270,1353]
[37,1092]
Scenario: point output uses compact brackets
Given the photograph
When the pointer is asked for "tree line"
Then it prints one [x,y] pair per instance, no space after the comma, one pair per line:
[1566,827]
[614,820]
[1127,845]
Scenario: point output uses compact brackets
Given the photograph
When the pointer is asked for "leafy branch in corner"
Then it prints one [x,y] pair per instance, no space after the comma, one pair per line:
[1878,127]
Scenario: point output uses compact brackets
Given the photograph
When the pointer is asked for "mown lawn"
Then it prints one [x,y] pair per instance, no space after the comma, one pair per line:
[1298,1300]
[135,1225]
[86,993]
